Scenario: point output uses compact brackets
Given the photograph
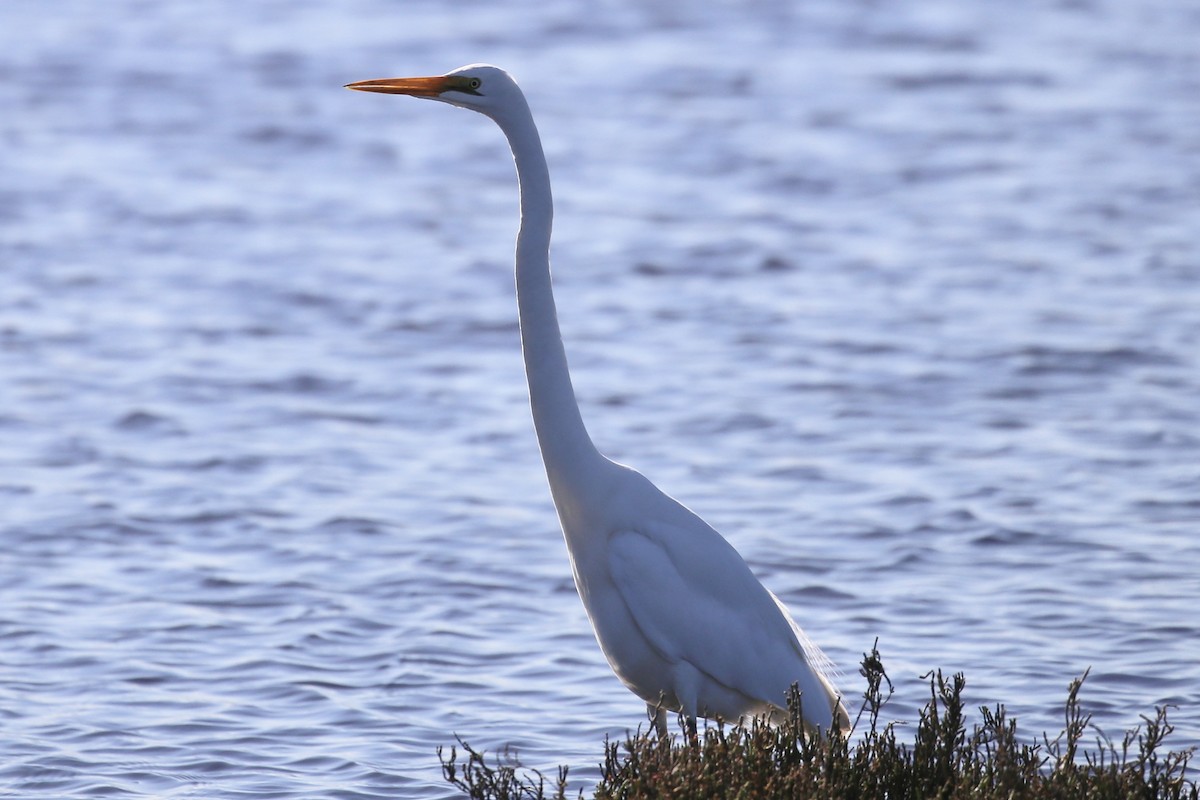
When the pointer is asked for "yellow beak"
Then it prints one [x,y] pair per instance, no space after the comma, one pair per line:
[416,87]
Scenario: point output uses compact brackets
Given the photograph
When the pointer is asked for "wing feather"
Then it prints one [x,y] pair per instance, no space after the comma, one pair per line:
[696,600]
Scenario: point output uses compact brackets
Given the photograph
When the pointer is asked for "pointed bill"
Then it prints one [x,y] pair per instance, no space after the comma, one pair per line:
[416,87]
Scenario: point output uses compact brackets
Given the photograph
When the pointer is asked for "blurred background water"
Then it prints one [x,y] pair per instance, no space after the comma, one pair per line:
[903,298]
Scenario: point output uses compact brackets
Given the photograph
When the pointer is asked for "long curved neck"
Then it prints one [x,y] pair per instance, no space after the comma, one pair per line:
[567,450]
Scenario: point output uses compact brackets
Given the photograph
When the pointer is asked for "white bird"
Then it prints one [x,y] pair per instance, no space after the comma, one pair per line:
[680,617]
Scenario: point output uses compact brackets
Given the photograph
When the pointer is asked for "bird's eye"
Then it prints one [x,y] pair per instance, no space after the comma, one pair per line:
[467,84]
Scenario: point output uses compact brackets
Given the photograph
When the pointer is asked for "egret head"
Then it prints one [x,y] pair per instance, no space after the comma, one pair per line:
[479,87]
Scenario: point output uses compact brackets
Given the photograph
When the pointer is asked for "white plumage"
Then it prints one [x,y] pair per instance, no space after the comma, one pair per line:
[679,615]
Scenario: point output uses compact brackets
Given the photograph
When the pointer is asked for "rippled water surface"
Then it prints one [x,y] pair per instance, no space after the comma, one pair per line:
[905,302]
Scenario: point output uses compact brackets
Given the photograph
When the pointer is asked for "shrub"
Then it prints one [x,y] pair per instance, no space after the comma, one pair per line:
[759,761]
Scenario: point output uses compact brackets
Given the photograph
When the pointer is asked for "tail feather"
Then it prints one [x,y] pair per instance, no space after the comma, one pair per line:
[822,665]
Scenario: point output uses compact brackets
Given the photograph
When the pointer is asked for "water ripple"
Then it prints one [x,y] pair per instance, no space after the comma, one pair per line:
[918,332]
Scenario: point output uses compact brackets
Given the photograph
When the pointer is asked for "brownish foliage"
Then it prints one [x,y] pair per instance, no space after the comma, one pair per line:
[759,762]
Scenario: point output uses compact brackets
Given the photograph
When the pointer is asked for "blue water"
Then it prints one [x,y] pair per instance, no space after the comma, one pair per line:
[906,301]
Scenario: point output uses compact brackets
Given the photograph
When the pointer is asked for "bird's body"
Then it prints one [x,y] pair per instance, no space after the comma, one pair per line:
[679,615]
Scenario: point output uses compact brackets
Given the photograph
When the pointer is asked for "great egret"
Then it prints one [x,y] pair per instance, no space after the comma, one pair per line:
[680,617]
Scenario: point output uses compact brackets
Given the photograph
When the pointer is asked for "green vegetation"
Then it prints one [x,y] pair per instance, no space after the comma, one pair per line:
[943,761]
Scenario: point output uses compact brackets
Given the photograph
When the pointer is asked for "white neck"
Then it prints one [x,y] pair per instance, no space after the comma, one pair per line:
[569,456]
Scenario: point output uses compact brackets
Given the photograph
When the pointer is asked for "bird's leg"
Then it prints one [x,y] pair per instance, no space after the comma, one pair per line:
[688,723]
[658,716]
